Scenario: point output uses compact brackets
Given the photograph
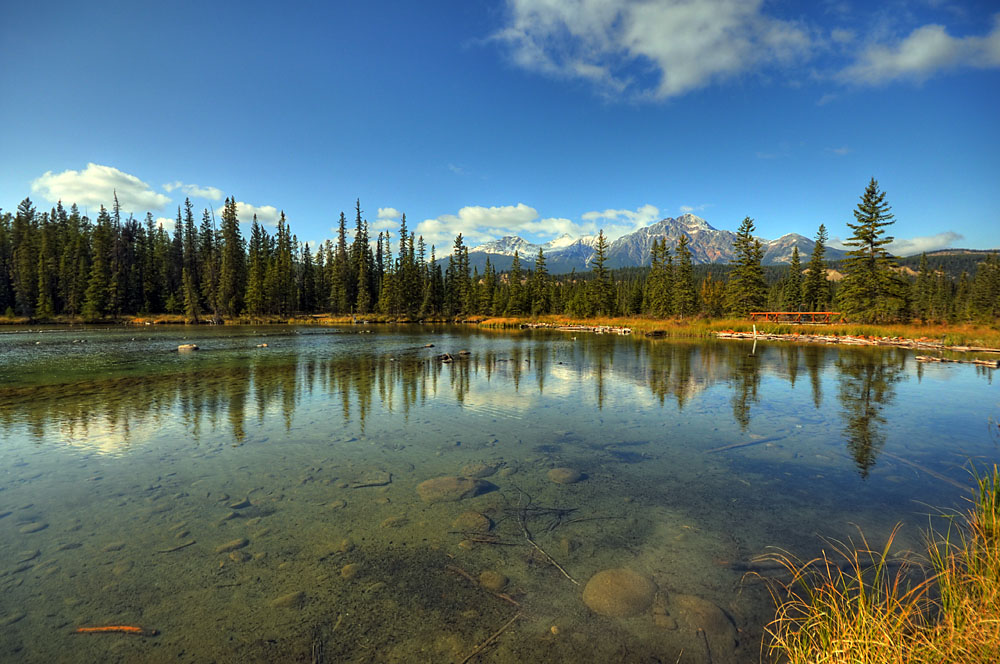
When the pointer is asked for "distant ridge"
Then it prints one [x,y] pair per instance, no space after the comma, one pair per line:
[707,245]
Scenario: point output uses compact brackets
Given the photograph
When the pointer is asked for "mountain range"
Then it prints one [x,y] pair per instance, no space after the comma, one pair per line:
[706,243]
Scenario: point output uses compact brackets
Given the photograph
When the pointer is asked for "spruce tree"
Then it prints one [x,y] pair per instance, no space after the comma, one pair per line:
[747,288]
[685,298]
[791,296]
[871,291]
[541,289]
[602,295]
[815,288]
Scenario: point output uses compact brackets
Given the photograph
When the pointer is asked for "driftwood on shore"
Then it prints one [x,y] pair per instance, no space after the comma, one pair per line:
[898,342]
[596,329]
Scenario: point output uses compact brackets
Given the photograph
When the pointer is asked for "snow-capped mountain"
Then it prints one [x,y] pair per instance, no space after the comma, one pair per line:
[706,243]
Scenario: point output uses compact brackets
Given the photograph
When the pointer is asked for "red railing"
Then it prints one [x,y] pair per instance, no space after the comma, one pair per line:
[797,316]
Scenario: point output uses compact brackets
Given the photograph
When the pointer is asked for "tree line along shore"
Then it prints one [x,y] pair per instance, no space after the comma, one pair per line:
[61,266]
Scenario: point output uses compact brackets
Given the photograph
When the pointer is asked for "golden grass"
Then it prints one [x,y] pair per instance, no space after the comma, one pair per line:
[859,605]
[952,335]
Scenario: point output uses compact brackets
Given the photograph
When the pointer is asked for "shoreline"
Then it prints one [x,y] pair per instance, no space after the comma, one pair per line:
[964,338]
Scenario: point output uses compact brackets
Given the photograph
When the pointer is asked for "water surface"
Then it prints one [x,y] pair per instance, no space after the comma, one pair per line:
[126,467]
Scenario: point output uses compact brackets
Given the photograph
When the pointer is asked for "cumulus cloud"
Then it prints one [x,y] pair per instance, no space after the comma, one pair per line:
[96,185]
[166,223]
[923,53]
[389,213]
[479,224]
[210,193]
[918,245]
[652,49]
[266,214]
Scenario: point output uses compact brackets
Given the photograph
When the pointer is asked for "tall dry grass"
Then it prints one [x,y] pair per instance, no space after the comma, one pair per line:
[862,605]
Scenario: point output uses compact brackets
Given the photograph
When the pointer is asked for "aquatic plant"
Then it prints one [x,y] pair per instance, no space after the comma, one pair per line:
[861,604]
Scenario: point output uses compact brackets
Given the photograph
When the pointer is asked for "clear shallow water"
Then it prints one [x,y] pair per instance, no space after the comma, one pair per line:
[115,450]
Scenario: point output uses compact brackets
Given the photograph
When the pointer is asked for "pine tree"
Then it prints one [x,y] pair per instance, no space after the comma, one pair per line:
[871,291]
[515,302]
[192,308]
[602,296]
[232,271]
[815,287]
[923,291]
[95,301]
[791,296]
[257,267]
[541,288]
[685,298]
[658,299]
[339,268]
[747,288]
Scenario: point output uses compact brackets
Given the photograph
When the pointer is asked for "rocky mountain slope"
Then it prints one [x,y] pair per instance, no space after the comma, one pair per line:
[707,245]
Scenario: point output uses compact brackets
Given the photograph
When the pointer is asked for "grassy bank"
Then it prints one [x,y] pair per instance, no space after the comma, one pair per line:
[951,335]
[968,334]
[876,608]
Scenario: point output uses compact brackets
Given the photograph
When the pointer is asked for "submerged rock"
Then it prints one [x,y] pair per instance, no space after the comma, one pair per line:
[232,546]
[186,348]
[565,475]
[479,470]
[619,593]
[472,522]
[491,580]
[451,489]
[694,613]
[290,601]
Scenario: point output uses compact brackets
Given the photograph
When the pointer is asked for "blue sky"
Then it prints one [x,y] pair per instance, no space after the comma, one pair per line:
[530,117]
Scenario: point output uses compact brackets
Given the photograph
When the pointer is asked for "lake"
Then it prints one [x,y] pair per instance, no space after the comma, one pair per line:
[261,503]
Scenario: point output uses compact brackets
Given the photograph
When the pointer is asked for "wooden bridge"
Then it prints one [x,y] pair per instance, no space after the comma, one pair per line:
[804,317]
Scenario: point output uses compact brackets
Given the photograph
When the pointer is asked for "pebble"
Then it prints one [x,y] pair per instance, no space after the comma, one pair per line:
[69,545]
[25,556]
[240,505]
[491,580]
[239,556]
[290,601]
[450,489]
[472,522]
[114,546]
[479,469]
[337,504]
[565,475]
[395,522]
[345,545]
[232,546]
[33,527]
[350,570]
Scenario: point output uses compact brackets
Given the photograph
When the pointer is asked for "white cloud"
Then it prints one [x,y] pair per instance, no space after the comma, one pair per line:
[616,223]
[166,223]
[96,185]
[826,99]
[911,246]
[210,193]
[925,52]
[840,152]
[686,209]
[918,245]
[266,214]
[684,45]
[478,224]
[389,213]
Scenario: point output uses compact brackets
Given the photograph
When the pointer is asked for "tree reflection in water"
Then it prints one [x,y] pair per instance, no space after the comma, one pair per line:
[866,386]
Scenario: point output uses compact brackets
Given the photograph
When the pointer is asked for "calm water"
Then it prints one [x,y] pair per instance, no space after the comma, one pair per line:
[260,504]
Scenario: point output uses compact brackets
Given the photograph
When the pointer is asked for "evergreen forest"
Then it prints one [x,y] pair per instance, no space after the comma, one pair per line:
[60,263]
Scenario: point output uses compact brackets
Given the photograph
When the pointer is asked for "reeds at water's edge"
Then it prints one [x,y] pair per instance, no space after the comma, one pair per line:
[881,608]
